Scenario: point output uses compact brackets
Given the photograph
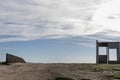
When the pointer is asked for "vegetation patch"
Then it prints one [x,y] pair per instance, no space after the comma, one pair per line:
[85,79]
[98,67]
[95,67]
[63,78]
[115,76]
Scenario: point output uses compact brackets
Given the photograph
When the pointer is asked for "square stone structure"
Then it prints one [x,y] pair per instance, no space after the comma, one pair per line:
[104,59]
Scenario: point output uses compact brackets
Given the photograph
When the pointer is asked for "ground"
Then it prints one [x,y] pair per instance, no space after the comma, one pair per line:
[32,71]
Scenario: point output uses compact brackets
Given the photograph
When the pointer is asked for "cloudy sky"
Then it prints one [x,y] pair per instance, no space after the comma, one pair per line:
[57,30]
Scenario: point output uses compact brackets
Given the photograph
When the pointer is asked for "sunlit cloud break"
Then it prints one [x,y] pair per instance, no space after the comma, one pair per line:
[24,20]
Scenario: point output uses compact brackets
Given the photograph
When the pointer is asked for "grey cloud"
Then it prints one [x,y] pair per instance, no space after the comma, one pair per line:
[111,17]
[35,19]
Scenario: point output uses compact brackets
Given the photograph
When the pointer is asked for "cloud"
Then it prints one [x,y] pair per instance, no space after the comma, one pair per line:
[108,17]
[24,20]
[86,44]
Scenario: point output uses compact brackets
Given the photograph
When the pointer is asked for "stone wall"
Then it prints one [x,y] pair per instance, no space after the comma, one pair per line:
[105,58]
[102,59]
[13,59]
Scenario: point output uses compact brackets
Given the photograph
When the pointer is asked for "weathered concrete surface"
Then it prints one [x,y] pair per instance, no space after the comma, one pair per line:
[14,59]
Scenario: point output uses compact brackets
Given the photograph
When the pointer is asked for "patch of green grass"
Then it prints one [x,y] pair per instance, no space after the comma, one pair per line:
[108,67]
[98,67]
[115,76]
[95,67]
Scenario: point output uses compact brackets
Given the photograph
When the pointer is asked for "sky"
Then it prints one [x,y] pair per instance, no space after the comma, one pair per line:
[57,31]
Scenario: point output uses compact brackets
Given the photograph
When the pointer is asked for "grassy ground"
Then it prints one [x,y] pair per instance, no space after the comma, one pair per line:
[105,67]
[114,69]
[60,72]
[98,67]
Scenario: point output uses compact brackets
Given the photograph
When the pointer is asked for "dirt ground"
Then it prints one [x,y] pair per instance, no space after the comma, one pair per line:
[20,71]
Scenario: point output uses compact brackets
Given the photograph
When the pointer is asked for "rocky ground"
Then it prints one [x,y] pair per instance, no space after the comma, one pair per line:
[20,71]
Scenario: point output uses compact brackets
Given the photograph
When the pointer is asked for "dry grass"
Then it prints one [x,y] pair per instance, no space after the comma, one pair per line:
[21,71]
